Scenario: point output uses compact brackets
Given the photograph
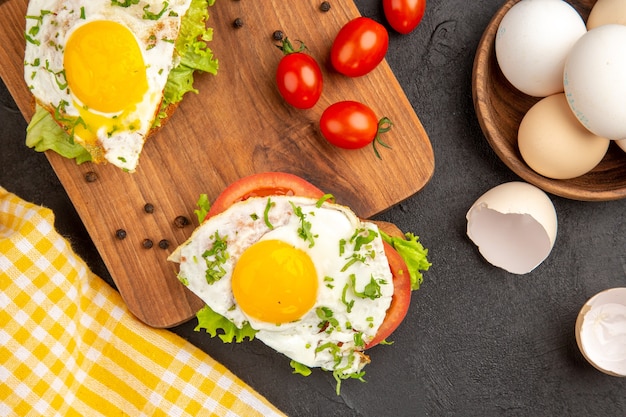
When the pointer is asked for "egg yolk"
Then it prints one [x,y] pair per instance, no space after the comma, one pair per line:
[275,282]
[104,66]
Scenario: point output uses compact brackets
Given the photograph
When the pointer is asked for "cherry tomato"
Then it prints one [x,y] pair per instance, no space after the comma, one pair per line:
[263,185]
[298,77]
[352,125]
[400,300]
[360,45]
[404,15]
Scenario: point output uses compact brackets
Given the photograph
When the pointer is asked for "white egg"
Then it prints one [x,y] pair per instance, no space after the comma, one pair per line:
[601,331]
[595,81]
[532,42]
[296,273]
[100,67]
[514,226]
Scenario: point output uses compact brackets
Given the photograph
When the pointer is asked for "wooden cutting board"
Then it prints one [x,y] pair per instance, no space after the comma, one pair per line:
[237,125]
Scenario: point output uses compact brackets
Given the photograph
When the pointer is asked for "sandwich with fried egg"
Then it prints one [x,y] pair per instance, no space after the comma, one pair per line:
[106,74]
[276,259]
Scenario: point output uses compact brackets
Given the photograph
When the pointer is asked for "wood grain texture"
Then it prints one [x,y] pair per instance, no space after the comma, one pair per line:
[500,108]
[237,125]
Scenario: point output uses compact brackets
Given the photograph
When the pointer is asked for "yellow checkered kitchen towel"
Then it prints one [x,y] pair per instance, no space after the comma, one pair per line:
[69,346]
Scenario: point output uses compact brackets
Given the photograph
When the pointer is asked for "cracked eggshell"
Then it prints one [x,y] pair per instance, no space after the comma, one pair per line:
[601,331]
[514,226]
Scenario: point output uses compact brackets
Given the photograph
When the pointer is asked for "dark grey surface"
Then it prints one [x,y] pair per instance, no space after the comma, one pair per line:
[477,341]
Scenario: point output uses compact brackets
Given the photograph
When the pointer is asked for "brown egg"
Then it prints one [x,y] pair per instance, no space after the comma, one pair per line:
[606,12]
[555,144]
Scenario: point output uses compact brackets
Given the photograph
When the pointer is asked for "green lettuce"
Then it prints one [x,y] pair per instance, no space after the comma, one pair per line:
[414,254]
[43,134]
[213,322]
[204,205]
[195,55]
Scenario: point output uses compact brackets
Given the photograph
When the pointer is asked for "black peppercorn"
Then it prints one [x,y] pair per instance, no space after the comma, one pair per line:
[325,6]
[148,208]
[91,176]
[164,244]
[278,35]
[147,243]
[120,234]
[237,23]
[181,221]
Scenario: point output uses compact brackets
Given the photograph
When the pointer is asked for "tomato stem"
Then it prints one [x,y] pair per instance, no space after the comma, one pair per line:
[384,126]
[287,47]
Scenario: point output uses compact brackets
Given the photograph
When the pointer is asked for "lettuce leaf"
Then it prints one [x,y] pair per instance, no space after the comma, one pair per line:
[195,55]
[204,205]
[211,322]
[44,134]
[299,368]
[413,253]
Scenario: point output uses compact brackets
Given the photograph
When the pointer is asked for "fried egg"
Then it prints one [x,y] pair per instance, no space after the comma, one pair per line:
[100,66]
[312,279]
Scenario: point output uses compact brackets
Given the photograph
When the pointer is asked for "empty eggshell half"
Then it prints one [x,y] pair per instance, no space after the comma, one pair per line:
[514,226]
[601,331]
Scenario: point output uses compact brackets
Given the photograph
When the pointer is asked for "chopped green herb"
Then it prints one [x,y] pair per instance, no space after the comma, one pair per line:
[360,240]
[266,213]
[59,76]
[304,231]
[352,260]
[342,247]
[339,375]
[148,15]
[323,199]
[34,30]
[328,280]
[358,339]
[125,3]
[371,290]
[299,368]
[328,323]
[348,304]
[215,258]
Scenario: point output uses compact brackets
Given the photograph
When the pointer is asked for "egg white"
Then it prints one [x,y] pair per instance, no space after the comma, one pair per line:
[49,23]
[243,224]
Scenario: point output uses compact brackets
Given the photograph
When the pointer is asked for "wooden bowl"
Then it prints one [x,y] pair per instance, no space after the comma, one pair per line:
[500,108]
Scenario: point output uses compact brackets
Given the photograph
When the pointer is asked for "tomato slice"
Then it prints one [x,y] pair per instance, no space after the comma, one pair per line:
[262,185]
[401,296]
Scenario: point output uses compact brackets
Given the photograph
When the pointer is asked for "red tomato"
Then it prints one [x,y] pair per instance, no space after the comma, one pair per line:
[401,296]
[262,185]
[404,15]
[352,125]
[298,77]
[360,45]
